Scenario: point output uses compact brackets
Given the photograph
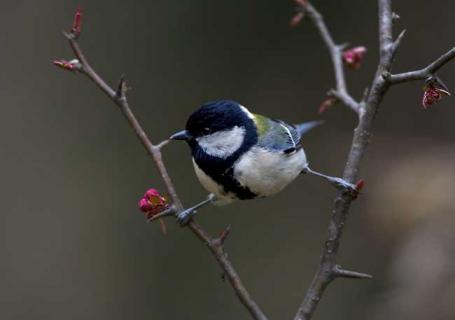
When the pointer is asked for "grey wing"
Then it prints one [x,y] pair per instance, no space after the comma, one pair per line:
[280,136]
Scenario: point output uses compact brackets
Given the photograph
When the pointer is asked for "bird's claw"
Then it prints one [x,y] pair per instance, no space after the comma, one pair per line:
[183,217]
[353,189]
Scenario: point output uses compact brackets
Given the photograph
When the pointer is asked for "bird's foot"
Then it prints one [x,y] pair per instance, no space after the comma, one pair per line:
[338,183]
[183,217]
[342,184]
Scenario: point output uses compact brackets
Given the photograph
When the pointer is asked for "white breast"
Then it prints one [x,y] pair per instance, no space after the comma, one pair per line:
[266,173]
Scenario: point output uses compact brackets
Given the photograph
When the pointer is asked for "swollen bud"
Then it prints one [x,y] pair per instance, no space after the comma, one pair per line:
[327,103]
[77,23]
[296,19]
[72,65]
[354,56]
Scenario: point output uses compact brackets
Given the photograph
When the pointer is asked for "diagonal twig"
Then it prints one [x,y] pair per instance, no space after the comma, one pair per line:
[336,51]
[215,245]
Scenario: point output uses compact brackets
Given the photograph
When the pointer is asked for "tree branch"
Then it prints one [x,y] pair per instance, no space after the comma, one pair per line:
[424,73]
[328,270]
[215,245]
[336,51]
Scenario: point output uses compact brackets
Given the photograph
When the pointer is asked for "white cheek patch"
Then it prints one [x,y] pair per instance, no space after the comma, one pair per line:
[222,144]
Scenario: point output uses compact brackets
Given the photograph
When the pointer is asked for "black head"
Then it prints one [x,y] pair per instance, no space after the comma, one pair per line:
[217,116]
[219,132]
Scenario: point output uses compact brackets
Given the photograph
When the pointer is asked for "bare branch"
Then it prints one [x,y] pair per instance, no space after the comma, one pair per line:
[215,245]
[328,270]
[336,51]
[424,73]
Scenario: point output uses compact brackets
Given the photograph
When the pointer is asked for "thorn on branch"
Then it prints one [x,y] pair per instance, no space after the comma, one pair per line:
[398,40]
[339,272]
[121,88]
[219,241]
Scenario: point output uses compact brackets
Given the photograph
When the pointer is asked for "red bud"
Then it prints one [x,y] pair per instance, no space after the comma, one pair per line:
[434,90]
[77,22]
[327,103]
[73,65]
[296,19]
[354,56]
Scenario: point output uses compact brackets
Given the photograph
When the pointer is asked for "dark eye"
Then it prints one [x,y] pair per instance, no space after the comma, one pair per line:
[206,130]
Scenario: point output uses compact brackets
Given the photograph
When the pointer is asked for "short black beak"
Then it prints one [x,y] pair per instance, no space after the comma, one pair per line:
[181,135]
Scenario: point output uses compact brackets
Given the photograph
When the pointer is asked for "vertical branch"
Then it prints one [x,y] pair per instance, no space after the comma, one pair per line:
[328,269]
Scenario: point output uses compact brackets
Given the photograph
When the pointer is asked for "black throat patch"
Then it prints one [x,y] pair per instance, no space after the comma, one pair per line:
[222,170]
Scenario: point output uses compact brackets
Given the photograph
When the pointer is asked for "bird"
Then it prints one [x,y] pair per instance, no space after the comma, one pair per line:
[240,155]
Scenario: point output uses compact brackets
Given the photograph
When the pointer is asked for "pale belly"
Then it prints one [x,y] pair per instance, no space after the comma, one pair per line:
[263,172]
[266,173]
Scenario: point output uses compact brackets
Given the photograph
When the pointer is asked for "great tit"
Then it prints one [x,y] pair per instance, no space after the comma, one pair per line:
[241,155]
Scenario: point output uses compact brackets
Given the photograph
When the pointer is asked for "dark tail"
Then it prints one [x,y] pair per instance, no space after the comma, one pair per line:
[303,128]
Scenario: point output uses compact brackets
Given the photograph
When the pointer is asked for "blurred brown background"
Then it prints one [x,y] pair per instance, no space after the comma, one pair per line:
[72,242]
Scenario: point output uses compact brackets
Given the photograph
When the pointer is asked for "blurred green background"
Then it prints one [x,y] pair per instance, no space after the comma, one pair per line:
[73,244]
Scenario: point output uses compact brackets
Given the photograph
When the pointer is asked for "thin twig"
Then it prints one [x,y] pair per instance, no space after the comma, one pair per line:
[215,245]
[424,73]
[336,51]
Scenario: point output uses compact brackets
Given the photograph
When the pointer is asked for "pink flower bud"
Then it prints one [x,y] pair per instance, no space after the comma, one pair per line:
[152,203]
[73,65]
[326,104]
[77,22]
[295,20]
[151,193]
[144,205]
[354,56]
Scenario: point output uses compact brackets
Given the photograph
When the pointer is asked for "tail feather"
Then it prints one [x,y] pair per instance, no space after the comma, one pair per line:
[303,128]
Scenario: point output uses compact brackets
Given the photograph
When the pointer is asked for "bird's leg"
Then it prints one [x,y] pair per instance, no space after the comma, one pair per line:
[184,216]
[335,181]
